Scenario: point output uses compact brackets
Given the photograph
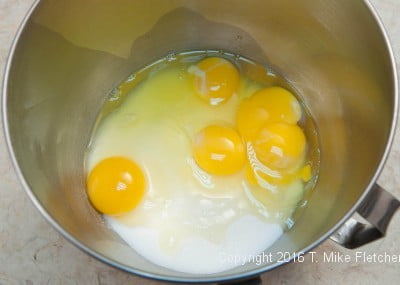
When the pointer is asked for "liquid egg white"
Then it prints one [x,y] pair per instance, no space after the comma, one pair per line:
[188,220]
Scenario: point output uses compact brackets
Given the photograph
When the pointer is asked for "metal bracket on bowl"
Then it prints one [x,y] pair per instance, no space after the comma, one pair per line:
[378,209]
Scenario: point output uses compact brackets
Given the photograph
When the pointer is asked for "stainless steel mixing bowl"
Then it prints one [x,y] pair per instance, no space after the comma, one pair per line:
[68,55]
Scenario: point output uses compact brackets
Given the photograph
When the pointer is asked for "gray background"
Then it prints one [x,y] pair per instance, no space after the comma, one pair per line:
[31,252]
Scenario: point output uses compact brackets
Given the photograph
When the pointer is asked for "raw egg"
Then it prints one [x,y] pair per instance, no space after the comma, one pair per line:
[116,185]
[215,80]
[280,145]
[219,150]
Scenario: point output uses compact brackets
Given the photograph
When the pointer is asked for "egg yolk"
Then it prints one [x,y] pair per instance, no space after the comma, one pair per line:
[280,145]
[116,185]
[219,150]
[215,80]
[272,105]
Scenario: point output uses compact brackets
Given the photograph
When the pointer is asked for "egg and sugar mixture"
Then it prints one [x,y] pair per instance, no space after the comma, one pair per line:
[193,159]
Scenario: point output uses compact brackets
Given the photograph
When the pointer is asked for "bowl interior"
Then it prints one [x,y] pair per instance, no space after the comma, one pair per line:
[72,53]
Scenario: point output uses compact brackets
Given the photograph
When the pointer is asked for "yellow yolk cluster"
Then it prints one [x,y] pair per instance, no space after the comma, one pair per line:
[266,122]
[116,185]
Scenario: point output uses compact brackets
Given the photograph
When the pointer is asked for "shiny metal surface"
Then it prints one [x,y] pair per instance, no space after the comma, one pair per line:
[377,208]
[70,54]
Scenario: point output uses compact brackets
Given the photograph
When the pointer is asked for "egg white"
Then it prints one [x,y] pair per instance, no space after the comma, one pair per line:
[188,220]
